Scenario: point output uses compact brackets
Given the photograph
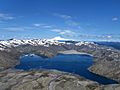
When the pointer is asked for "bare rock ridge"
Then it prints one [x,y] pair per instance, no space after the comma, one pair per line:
[44,80]
[106,63]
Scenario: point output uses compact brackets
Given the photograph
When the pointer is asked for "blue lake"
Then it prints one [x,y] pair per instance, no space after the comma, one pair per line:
[76,64]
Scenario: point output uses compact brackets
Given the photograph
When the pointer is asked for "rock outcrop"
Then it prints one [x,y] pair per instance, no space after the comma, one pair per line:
[44,80]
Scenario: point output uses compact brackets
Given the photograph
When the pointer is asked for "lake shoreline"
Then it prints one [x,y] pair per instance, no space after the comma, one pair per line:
[73,52]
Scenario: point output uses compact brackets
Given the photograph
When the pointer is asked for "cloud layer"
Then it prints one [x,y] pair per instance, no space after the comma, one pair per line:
[115,19]
[5,17]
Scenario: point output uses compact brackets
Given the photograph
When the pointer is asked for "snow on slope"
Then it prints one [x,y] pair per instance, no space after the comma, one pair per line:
[58,38]
[36,42]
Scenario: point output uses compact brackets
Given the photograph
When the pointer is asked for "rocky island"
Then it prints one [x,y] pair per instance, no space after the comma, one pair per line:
[106,63]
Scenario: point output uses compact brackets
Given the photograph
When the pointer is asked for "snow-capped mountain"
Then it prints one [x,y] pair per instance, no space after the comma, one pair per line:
[38,42]
[58,38]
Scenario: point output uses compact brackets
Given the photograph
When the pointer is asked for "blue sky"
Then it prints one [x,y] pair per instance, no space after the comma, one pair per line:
[93,20]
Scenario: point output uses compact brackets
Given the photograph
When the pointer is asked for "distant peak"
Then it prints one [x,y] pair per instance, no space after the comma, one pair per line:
[58,38]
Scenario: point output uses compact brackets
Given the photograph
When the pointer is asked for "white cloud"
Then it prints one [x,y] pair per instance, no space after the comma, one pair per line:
[72,23]
[14,29]
[63,16]
[56,30]
[17,29]
[42,25]
[6,17]
[67,32]
[109,36]
[64,32]
[58,38]
[37,25]
[115,19]
[47,26]
[69,20]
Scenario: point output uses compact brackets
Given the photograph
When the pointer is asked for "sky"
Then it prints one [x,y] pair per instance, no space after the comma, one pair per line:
[88,20]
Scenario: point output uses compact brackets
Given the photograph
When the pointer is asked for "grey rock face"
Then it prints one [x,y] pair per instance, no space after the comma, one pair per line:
[43,80]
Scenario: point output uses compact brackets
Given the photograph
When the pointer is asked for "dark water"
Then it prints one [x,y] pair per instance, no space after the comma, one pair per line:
[115,45]
[77,64]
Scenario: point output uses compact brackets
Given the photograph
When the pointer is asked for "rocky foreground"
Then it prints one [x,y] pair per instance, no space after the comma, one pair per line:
[106,63]
[43,80]
[47,80]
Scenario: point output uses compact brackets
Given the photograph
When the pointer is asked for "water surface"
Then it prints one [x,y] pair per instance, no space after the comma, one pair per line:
[115,45]
[73,63]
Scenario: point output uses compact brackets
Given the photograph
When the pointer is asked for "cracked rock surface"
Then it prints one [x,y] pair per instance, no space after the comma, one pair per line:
[43,80]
